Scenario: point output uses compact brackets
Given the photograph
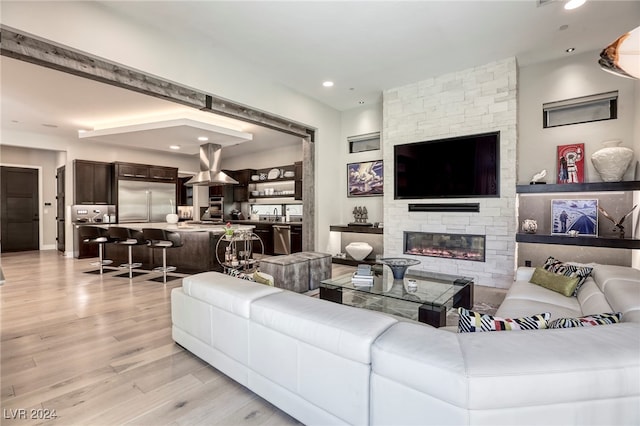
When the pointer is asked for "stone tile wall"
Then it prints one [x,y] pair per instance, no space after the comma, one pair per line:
[477,100]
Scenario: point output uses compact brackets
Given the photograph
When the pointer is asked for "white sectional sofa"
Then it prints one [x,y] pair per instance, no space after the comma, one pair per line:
[326,363]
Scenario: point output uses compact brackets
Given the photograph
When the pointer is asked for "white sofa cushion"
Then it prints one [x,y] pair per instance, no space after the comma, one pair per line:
[345,331]
[500,370]
[226,292]
[525,299]
[621,288]
[591,299]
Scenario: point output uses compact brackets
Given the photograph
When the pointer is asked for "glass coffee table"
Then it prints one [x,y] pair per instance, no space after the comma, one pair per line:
[422,296]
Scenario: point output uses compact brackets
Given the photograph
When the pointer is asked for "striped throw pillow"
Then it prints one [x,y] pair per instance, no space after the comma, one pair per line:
[470,322]
[587,321]
[568,270]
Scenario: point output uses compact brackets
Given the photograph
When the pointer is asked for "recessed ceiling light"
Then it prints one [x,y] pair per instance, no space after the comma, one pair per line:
[571,49]
[574,4]
[203,138]
[327,83]
[175,147]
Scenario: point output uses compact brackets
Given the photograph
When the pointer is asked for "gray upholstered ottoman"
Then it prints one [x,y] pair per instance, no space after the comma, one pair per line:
[319,267]
[289,272]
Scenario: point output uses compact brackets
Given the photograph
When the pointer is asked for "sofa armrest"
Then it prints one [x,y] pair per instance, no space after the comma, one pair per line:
[524,273]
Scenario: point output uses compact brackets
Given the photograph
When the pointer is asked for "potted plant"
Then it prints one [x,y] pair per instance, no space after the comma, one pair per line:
[228,231]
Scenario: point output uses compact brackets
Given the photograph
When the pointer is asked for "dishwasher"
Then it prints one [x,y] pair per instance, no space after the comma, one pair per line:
[281,239]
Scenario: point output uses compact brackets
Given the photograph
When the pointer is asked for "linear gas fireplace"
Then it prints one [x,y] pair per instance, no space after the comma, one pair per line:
[450,246]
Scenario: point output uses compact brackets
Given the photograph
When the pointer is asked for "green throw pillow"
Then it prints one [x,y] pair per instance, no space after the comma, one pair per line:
[262,278]
[556,282]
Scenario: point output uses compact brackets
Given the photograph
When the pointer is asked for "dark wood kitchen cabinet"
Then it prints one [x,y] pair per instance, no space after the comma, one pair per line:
[92,182]
[163,174]
[296,238]
[185,193]
[131,171]
[265,232]
[146,172]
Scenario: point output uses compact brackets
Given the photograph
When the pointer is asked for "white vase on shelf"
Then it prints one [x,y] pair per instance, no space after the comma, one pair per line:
[612,161]
[358,250]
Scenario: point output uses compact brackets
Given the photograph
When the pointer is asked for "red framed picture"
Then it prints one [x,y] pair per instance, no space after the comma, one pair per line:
[571,163]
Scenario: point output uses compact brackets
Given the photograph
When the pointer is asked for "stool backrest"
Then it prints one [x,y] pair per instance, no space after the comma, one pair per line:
[123,234]
[151,235]
[88,233]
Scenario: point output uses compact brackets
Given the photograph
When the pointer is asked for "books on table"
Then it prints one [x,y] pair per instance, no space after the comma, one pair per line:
[363,277]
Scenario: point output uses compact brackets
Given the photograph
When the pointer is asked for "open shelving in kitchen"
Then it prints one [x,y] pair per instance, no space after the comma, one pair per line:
[276,182]
[615,197]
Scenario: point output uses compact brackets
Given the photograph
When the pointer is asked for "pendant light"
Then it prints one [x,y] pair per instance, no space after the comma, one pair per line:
[622,57]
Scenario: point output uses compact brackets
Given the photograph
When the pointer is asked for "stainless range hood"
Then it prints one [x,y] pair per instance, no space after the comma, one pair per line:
[210,173]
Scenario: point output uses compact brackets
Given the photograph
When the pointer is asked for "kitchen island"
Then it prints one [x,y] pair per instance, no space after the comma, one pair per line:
[197,254]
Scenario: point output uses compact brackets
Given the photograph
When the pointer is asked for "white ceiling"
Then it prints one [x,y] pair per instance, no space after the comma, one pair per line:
[365,47]
[368,46]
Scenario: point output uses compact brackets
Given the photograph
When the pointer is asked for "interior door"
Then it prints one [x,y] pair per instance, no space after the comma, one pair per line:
[60,180]
[19,218]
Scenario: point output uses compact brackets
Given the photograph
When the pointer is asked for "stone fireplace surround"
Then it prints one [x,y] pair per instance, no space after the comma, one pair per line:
[476,100]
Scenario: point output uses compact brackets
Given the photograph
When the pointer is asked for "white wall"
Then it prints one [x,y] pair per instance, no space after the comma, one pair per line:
[476,100]
[96,30]
[358,121]
[571,77]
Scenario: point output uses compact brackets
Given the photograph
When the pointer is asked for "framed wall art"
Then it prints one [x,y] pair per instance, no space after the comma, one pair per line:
[365,179]
[574,217]
[571,163]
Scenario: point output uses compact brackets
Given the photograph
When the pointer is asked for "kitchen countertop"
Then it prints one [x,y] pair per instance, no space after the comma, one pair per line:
[263,222]
[179,227]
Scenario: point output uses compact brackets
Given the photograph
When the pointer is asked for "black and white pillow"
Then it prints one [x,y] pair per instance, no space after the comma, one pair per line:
[587,321]
[568,270]
[470,322]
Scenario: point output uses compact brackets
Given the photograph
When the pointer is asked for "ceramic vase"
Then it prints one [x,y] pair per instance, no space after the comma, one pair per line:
[172,218]
[612,161]
[358,250]
[529,226]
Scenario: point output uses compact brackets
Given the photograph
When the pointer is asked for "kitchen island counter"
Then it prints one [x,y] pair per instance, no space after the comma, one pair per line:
[197,253]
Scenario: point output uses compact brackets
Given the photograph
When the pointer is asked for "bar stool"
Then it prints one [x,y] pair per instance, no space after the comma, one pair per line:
[128,237]
[163,239]
[99,236]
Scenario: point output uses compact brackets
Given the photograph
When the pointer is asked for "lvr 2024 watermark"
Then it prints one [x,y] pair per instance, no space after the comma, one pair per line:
[28,414]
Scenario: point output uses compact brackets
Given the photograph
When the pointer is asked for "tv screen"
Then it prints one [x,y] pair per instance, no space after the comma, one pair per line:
[461,167]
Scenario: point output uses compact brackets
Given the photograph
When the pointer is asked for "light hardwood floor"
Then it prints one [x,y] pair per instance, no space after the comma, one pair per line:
[98,351]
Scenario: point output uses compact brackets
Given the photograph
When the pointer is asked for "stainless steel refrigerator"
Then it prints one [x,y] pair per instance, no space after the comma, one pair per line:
[145,201]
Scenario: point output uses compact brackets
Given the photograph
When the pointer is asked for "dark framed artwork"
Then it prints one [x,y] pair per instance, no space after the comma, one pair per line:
[571,163]
[574,215]
[365,179]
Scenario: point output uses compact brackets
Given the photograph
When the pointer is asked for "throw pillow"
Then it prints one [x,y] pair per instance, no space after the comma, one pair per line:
[238,274]
[587,321]
[559,283]
[262,278]
[582,272]
[474,321]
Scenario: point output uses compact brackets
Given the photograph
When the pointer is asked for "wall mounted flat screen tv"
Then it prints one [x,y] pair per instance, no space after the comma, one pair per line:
[461,167]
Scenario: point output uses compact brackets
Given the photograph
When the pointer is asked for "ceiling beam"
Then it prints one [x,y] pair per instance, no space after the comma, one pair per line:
[27,48]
